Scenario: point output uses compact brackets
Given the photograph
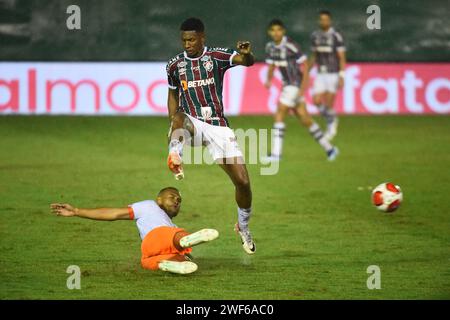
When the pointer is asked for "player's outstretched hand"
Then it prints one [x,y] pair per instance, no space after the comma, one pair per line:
[244,47]
[63,209]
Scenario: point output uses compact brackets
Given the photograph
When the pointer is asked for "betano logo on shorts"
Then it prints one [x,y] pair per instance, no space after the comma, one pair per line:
[196,83]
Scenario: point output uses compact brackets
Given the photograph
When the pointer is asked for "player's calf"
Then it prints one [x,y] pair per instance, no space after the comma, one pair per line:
[239,176]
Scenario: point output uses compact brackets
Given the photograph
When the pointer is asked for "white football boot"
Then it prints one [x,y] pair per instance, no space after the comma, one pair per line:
[183,267]
[196,238]
[332,154]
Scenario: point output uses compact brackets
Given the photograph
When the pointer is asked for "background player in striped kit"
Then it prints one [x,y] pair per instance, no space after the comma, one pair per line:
[285,54]
[328,51]
[195,105]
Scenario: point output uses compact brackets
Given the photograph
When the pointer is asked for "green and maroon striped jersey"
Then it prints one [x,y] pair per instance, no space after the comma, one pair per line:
[199,82]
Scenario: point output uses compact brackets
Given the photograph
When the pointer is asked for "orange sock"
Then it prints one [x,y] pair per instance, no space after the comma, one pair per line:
[177,237]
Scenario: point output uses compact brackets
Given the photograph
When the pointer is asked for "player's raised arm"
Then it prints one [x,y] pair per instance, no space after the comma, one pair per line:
[304,67]
[340,53]
[270,72]
[245,56]
[105,214]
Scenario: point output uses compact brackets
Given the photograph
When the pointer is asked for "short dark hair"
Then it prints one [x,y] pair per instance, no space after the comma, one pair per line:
[325,12]
[166,189]
[192,24]
[276,22]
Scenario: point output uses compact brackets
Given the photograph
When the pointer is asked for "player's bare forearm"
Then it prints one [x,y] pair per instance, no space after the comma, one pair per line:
[270,73]
[104,214]
[342,60]
[245,56]
[172,103]
[311,62]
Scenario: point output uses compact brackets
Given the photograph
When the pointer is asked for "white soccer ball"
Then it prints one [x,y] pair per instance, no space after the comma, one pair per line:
[387,197]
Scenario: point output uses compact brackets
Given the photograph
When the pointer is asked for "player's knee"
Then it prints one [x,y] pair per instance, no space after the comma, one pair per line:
[243,182]
[305,120]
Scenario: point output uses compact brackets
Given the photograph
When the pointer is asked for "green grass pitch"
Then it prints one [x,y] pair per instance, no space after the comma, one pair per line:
[316,230]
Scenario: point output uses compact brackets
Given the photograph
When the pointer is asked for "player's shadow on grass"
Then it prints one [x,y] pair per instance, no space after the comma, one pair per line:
[210,267]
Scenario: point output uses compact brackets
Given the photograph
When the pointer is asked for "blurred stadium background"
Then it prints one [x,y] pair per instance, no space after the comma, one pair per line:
[142,30]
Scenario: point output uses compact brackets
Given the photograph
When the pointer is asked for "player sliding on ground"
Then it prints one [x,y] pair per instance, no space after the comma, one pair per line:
[195,106]
[164,245]
[328,50]
[285,54]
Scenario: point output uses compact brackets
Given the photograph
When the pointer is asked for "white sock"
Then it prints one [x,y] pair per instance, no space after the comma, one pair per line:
[176,145]
[330,116]
[243,218]
[277,138]
[317,134]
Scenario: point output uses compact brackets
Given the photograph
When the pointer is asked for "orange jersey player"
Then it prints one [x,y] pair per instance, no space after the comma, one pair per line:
[164,246]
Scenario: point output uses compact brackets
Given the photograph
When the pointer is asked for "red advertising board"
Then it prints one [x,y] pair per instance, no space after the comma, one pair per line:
[141,89]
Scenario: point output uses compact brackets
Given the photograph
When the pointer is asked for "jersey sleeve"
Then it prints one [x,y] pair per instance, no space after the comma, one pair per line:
[340,46]
[138,209]
[269,58]
[171,79]
[224,57]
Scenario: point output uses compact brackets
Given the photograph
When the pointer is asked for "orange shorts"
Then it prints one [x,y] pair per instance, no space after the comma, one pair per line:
[158,245]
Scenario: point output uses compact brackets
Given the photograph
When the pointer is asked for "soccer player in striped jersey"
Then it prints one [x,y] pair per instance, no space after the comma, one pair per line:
[195,106]
[285,54]
[328,52]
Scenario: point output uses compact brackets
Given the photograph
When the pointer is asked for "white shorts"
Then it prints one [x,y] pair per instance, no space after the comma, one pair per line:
[220,141]
[289,96]
[326,82]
